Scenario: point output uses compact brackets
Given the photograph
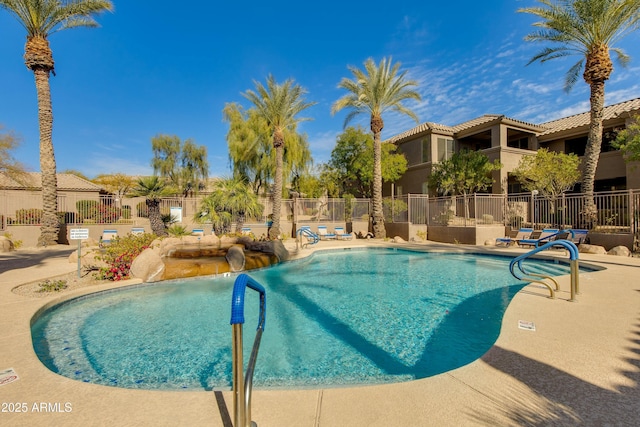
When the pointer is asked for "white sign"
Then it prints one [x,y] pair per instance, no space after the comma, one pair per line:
[176,213]
[8,376]
[528,326]
[79,233]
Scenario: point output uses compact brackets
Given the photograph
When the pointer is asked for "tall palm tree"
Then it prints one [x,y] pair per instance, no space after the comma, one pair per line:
[41,18]
[375,90]
[589,29]
[153,189]
[279,104]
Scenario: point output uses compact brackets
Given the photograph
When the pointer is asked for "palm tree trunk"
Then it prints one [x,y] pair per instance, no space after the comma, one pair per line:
[50,226]
[592,152]
[379,230]
[277,192]
[155,218]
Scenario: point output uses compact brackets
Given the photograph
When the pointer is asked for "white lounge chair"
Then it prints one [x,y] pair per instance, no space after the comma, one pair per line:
[107,237]
[341,235]
[324,234]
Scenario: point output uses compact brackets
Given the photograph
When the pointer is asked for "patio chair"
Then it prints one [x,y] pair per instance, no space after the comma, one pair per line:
[324,234]
[523,233]
[341,235]
[107,237]
[246,231]
[579,236]
[197,232]
[137,230]
[544,237]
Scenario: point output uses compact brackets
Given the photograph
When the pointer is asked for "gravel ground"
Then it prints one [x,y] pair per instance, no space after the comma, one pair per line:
[33,289]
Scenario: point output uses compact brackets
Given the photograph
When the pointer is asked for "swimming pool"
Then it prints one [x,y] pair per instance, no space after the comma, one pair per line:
[337,318]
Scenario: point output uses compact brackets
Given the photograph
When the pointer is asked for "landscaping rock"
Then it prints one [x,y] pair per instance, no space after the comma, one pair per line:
[6,245]
[148,266]
[235,257]
[90,259]
[620,251]
[490,242]
[592,249]
[275,247]
[399,239]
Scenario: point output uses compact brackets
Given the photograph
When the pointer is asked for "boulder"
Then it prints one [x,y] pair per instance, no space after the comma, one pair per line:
[490,242]
[235,258]
[399,239]
[6,245]
[275,247]
[90,259]
[620,251]
[148,266]
[591,249]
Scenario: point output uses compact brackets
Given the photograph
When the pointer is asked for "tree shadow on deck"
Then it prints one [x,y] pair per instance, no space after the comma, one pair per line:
[563,399]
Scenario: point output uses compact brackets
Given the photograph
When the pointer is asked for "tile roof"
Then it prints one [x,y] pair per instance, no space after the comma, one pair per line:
[33,180]
[470,124]
[583,119]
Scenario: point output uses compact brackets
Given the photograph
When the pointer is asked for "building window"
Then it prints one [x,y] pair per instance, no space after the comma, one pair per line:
[522,143]
[426,150]
[445,149]
[575,146]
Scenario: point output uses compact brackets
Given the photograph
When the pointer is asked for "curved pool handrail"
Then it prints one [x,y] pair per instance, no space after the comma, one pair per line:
[308,233]
[237,300]
[242,389]
[573,256]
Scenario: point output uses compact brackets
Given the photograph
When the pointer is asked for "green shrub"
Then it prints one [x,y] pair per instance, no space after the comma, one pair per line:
[120,253]
[52,285]
[177,230]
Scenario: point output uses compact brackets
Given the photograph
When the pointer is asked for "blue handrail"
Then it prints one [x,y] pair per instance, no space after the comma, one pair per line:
[237,300]
[242,388]
[308,233]
[573,256]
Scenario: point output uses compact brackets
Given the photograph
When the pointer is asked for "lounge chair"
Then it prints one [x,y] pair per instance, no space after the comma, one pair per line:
[341,235]
[197,232]
[107,237]
[137,230]
[246,231]
[535,241]
[324,234]
[523,233]
[579,236]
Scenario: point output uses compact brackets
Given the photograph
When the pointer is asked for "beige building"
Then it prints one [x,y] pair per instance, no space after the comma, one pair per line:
[507,139]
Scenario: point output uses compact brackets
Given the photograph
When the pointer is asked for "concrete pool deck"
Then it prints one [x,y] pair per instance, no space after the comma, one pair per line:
[581,365]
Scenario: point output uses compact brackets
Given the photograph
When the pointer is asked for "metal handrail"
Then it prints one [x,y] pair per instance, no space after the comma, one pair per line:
[307,232]
[242,388]
[573,263]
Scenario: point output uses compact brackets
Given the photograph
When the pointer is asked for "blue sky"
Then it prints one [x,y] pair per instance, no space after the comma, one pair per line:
[164,67]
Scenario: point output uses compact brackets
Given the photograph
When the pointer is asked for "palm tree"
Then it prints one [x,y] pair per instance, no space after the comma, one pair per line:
[278,104]
[41,19]
[375,90]
[153,188]
[234,196]
[589,29]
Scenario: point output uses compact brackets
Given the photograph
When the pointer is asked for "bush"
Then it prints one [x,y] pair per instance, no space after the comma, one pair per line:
[177,230]
[52,285]
[120,254]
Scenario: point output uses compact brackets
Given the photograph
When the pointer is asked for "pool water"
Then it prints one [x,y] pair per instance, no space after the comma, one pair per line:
[337,318]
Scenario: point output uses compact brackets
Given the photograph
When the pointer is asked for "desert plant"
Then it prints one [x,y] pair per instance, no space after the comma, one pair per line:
[177,230]
[52,285]
[120,254]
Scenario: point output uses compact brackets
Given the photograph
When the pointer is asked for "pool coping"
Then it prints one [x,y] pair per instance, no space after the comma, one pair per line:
[561,373]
